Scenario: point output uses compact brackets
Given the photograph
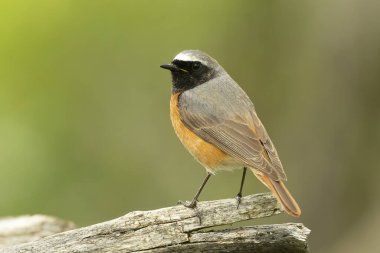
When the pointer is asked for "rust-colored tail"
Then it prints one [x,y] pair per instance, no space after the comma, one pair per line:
[282,194]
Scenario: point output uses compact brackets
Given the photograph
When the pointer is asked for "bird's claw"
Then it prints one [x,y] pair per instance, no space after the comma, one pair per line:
[188,204]
[238,199]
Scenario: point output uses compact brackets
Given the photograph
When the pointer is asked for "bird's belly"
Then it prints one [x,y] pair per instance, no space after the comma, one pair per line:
[211,157]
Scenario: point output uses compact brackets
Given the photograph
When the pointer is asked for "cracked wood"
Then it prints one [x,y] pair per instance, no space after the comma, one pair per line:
[180,229]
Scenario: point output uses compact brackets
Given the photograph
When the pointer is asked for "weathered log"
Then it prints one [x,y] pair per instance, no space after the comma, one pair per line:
[180,229]
[27,228]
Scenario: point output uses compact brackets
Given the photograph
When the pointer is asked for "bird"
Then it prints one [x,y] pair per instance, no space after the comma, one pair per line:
[217,123]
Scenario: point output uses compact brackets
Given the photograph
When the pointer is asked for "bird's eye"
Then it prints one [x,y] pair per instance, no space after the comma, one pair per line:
[196,65]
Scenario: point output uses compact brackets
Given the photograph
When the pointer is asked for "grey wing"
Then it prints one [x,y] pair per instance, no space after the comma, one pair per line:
[221,113]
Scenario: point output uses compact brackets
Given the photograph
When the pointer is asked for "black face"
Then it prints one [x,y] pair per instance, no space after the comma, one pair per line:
[188,74]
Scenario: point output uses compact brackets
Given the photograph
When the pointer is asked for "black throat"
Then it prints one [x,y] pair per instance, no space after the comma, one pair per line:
[182,82]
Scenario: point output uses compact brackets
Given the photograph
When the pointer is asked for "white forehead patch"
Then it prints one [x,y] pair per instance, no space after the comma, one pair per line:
[188,57]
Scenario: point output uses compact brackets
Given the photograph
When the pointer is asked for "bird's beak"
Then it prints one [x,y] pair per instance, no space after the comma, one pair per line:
[172,67]
[169,66]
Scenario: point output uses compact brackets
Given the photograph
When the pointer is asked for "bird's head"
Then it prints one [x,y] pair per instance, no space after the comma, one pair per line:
[191,68]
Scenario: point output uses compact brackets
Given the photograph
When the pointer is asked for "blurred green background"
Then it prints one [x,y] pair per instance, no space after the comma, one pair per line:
[85,133]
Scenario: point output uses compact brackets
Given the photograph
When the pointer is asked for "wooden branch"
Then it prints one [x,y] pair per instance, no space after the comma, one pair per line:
[180,229]
[27,228]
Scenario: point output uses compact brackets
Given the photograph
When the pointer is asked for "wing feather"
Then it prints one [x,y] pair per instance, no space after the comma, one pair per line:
[227,119]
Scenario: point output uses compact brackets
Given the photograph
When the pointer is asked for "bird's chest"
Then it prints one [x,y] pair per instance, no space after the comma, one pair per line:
[211,157]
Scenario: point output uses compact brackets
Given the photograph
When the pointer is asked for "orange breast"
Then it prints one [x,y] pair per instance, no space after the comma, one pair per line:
[205,153]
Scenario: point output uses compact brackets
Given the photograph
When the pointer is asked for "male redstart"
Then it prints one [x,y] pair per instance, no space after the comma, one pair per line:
[217,123]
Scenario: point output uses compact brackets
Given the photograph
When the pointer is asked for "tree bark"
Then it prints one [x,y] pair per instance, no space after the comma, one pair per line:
[180,229]
[27,228]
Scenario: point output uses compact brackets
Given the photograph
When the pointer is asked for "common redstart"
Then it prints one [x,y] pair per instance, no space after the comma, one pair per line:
[217,123]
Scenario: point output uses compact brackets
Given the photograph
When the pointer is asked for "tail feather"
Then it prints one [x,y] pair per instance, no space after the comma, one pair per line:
[282,194]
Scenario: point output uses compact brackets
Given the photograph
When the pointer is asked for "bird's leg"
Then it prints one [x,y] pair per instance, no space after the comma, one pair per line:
[239,195]
[193,203]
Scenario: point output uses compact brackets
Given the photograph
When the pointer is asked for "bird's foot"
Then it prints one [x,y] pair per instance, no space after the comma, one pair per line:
[238,200]
[188,204]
